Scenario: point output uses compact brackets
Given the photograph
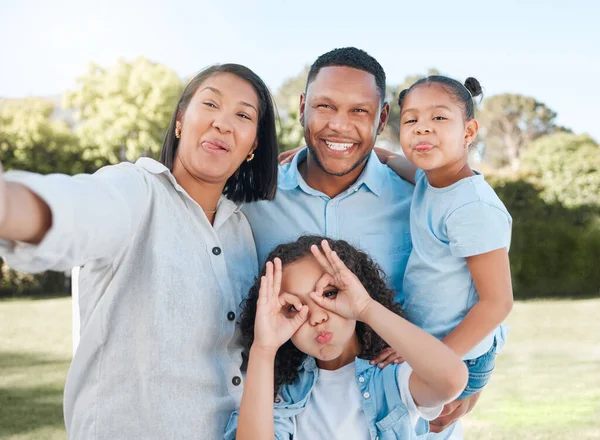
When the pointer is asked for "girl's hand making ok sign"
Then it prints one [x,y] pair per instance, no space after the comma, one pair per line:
[351,300]
[272,328]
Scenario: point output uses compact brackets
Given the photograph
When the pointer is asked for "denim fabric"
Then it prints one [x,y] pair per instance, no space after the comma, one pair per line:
[387,416]
[480,371]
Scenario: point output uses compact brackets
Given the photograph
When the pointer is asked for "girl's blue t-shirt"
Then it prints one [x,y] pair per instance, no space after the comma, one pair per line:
[447,225]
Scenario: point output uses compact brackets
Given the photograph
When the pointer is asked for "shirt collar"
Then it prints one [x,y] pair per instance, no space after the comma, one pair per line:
[157,168]
[372,174]
[309,364]
[361,365]
[152,166]
[291,178]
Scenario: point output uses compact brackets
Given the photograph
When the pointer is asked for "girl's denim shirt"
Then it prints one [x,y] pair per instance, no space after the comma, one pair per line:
[387,415]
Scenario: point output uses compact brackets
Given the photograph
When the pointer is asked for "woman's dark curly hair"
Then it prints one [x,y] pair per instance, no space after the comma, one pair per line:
[289,359]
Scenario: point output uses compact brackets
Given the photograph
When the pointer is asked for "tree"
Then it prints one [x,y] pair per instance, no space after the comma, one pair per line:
[123,111]
[509,123]
[290,133]
[568,168]
[392,129]
[32,139]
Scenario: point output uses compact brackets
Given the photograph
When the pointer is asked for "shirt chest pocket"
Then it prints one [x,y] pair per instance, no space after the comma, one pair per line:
[396,425]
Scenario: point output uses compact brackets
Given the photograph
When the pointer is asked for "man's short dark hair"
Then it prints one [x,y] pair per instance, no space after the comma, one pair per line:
[350,57]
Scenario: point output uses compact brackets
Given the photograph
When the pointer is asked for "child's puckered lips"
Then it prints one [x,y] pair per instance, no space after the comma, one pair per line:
[324,337]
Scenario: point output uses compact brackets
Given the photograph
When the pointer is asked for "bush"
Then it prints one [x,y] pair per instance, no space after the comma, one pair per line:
[16,283]
[555,250]
[567,167]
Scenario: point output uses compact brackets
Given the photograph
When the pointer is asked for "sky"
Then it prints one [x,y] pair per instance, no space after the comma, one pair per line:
[546,49]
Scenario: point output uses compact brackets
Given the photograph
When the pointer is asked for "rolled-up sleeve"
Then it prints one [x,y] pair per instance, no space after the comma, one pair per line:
[93,217]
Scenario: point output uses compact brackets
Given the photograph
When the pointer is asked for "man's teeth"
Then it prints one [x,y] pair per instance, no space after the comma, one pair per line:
[338,147]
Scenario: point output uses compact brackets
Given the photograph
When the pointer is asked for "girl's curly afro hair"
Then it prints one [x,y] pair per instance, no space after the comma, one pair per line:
[289,359]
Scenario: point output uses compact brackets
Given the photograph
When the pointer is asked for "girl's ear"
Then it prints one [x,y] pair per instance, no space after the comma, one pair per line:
[471,129]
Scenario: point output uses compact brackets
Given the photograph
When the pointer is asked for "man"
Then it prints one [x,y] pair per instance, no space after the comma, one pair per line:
[337,187]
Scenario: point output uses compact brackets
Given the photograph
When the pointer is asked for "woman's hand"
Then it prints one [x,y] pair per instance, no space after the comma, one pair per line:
[384,155]
[351,300]
[288,155]
[272,328]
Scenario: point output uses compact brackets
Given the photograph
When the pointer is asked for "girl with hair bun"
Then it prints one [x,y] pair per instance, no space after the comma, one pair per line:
[457,284]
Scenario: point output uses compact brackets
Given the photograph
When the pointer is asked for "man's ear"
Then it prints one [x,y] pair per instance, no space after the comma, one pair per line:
[301,108]
[384,115]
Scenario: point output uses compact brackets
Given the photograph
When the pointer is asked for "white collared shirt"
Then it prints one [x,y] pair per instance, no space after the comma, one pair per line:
[160,290]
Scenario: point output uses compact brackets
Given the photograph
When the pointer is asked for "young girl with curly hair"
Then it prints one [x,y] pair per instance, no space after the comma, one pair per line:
[310,325]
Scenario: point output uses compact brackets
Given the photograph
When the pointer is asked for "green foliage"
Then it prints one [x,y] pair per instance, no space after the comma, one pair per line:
[509,123]
[288,95]
[31,139]
[14,282]
[123,111]
[555,250]
[567,166]
[290,133]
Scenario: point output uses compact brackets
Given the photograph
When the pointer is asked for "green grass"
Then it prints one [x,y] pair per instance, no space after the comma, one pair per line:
[547,380]
[546,384]
[35,352]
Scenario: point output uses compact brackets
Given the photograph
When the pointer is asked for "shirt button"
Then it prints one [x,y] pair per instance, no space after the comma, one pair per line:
[236,380]
[361,379]
[231,316]
[367,395]
[216,250]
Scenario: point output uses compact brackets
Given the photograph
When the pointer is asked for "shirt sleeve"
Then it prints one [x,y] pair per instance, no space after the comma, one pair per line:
[93,217]
[476,228]
[415,412]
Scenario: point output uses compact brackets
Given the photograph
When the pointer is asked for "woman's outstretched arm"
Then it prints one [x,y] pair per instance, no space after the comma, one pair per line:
[56,222]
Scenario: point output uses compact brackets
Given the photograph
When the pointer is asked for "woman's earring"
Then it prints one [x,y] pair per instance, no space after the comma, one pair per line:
[177,131]
[250,157]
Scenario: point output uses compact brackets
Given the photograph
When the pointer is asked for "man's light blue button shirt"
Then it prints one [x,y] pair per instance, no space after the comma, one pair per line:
[373,215]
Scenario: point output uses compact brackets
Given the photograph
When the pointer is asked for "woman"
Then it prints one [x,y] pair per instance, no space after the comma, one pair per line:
[166,256]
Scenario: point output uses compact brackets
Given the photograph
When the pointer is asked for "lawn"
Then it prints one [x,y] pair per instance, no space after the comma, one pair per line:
[546,385]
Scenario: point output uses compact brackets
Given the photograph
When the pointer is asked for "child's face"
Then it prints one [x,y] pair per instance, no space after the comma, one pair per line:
[328,337]
[433,133]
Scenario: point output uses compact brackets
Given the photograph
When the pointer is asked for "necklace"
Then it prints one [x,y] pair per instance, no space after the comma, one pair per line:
[209,212]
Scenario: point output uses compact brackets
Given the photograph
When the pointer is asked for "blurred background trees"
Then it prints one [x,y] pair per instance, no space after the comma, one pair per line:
[547,176]
[122,112]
